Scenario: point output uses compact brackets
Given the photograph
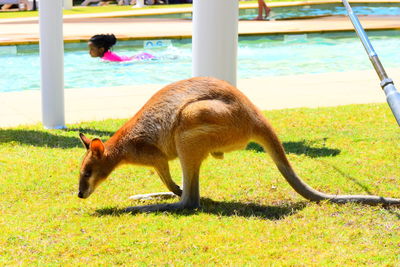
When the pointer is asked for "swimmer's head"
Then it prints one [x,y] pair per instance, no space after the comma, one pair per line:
[101,43]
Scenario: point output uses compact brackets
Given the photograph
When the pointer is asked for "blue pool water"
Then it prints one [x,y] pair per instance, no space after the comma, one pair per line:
[300,11]
[326,9]
[258,56]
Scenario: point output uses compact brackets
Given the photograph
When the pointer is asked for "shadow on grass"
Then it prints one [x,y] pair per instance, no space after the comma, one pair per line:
[351,178]
[94,132]
[394,213]
[44,138]
[362,186]
[55,139]
[223,208]
[300,148]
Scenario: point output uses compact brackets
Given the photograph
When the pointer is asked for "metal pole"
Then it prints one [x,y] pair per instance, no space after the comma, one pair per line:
[392,96]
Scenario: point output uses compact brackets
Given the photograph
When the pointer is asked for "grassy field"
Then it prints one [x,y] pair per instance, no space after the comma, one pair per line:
[249,214]
[102,9]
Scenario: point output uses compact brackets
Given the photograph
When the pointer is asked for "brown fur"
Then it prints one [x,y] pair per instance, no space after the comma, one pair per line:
[191,119]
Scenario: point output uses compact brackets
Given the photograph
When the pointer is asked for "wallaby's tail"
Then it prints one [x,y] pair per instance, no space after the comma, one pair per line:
[269,140]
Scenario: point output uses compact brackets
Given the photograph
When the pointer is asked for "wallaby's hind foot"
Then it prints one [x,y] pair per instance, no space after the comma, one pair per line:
[160,195]
[162,207]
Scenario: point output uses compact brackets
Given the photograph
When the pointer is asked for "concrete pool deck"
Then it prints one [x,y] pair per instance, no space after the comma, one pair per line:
[309,90]
[21,31]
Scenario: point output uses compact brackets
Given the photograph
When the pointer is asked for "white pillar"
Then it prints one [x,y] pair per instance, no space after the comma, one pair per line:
[139,4]
[52,63]
[68,4]
[215,38]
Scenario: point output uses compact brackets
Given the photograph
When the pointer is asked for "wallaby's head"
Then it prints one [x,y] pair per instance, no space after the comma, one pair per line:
[95,167]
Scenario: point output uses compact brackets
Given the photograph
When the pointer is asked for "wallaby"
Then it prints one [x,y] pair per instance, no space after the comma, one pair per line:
[191,119]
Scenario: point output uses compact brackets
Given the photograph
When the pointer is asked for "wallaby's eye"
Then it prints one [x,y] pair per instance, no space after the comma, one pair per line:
[87,174]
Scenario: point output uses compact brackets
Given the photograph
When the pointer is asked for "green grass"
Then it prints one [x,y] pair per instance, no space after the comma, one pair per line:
[102,9]
[249,215]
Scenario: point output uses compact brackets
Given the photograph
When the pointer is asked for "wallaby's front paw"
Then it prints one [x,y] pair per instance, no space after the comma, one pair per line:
[178,191]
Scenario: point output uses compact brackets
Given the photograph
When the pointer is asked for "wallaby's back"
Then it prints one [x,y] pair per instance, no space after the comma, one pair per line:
[156,121]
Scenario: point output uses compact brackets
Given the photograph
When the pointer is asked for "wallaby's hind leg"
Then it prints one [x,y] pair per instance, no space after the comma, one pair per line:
[190,163]
[206,126]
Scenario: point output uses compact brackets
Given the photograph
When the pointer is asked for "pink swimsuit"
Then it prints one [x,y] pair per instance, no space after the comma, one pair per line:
[110,56]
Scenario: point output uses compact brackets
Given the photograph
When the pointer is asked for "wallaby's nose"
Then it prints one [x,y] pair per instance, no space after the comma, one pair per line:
[80,194]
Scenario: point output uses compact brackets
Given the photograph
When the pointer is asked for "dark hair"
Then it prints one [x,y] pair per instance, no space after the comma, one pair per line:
[104,40]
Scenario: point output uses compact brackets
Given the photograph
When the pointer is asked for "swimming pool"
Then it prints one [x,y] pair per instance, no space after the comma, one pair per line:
[258,56]
[299,11]
[325,9]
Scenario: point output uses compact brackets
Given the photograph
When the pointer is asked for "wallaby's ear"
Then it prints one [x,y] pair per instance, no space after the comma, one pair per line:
[97,147]
[85,141]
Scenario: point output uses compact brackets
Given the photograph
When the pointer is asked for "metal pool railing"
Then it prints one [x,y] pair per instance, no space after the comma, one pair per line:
[392,95]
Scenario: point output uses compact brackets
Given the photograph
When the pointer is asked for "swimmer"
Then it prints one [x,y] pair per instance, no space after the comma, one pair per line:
[100,45]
